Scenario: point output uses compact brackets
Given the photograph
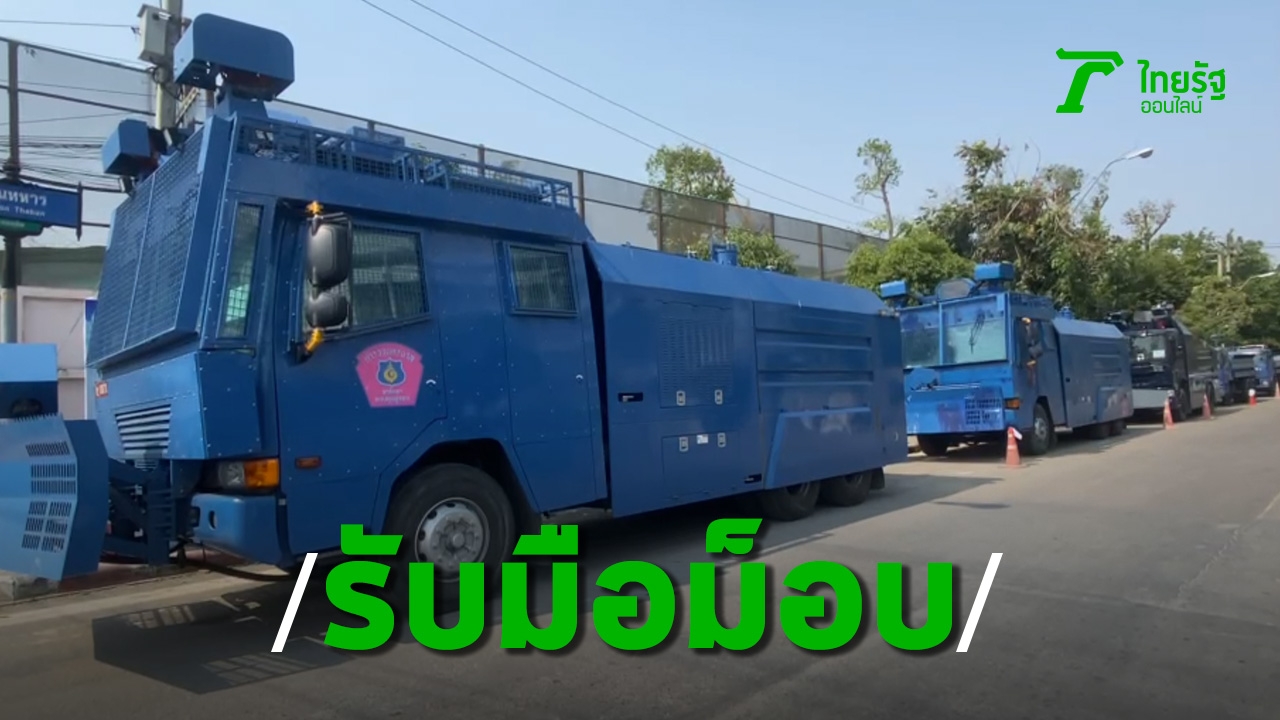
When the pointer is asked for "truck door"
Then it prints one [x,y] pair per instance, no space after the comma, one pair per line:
[1048,368]
[551,373]
[347,411]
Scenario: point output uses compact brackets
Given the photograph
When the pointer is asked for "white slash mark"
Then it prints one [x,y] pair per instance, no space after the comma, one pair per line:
[296,599]
[970,626]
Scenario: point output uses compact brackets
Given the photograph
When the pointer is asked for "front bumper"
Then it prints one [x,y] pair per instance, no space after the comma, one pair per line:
[244,526]
[1145,399]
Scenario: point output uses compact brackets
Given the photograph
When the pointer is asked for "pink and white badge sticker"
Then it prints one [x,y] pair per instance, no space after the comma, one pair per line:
[391,374]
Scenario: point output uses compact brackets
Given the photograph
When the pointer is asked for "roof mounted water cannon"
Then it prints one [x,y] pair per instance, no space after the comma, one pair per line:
[995,277]
[238,60]
[724,253]
[895,293]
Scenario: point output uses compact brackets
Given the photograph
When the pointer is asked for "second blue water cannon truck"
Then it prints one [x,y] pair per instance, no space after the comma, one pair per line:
[981,358]
[298,328]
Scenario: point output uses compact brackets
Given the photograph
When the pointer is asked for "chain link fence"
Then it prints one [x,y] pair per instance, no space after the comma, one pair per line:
[67,104]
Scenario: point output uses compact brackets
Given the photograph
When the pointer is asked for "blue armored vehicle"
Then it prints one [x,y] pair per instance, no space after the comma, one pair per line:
[982,358]
[298,329]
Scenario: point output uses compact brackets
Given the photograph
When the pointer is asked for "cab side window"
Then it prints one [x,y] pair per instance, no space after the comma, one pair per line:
[386,283]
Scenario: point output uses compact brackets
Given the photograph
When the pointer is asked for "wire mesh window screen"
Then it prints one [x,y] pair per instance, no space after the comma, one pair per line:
[543,281]
[386,277]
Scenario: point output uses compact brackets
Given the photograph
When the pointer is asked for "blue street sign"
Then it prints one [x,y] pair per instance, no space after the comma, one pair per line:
[26,203]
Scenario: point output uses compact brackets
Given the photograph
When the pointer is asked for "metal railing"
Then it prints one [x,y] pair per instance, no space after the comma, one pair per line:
[67,104]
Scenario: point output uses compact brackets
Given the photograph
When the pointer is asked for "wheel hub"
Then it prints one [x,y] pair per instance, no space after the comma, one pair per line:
[453,532]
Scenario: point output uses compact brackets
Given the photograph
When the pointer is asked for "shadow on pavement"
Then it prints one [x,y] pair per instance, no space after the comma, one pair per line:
[225,643]
[1068,444]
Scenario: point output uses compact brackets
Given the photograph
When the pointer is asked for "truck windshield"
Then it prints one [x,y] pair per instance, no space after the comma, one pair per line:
[1149,349]
[964,332]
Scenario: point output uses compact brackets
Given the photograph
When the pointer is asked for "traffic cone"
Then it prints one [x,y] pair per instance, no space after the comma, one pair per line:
[1168,414]
[1276,385]
[1253,396]
[1012,458]
[1208,407]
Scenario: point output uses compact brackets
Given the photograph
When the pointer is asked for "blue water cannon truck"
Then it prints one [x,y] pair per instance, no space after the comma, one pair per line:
[981,358]
[298,329]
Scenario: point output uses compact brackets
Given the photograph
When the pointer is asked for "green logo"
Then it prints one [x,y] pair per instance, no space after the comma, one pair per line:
[1104,62]
[1182,84]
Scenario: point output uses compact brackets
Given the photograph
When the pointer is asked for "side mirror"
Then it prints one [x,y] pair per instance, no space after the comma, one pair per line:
[328,254]
[326,310]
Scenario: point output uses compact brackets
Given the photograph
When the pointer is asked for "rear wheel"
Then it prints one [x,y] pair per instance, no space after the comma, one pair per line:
[448,515]
[787,504]
[1118,427]
[847,490]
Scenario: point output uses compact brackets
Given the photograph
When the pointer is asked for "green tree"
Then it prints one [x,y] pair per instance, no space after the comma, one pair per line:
[882,173]
[687,186]
[1217,309]
[1263,295]
[689,195]
[916,255]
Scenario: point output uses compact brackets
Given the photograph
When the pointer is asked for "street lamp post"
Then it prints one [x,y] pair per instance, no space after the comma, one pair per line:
[1255,277]
[1142,154]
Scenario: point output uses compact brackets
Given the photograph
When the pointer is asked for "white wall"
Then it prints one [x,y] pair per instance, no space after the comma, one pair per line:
[56,316]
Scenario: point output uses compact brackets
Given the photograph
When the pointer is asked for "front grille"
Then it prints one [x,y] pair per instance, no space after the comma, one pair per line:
[983,412]
[145,432]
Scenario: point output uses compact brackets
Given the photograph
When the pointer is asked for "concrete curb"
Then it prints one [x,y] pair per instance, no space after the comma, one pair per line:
[16,588]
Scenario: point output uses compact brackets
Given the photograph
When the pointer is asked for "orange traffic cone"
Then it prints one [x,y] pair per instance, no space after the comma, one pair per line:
[1012,458]
[1168,414]
[1208,407]
[1276,385]
[1253,396]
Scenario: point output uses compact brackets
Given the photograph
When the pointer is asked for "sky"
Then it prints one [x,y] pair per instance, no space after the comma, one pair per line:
[793,88]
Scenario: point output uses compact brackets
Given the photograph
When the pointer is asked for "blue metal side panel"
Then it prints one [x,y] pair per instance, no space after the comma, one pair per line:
[1097,383]
[662,347]
[53,497]
[817,375]
[735,379]
[626,265]
[158,411]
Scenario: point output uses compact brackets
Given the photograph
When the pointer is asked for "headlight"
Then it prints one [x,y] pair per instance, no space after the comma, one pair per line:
[239,475]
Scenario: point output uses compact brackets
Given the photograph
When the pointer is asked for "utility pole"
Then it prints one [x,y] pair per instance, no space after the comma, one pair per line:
[161,28]
[12,240]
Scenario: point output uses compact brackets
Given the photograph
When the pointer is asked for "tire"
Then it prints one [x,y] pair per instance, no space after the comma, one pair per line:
[1038,439]
[1098,431]
[848,490]
[932,445]
[1118,427]
[441,506]
[1180,406]
[788,504]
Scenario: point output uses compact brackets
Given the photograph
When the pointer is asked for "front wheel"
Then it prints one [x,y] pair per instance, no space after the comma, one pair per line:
[449,515]
[1039,438]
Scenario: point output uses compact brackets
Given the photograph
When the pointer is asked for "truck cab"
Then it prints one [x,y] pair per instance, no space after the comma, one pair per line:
[981,358]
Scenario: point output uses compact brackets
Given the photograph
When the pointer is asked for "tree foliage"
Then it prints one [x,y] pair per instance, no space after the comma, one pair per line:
[882,171]
[1049,224]
[689,193]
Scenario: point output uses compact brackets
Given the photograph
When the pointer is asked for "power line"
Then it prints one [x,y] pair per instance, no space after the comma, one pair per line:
[574,110]
[636,113]
[60,23]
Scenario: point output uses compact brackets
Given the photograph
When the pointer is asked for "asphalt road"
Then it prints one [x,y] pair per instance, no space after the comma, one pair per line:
[1140,579]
